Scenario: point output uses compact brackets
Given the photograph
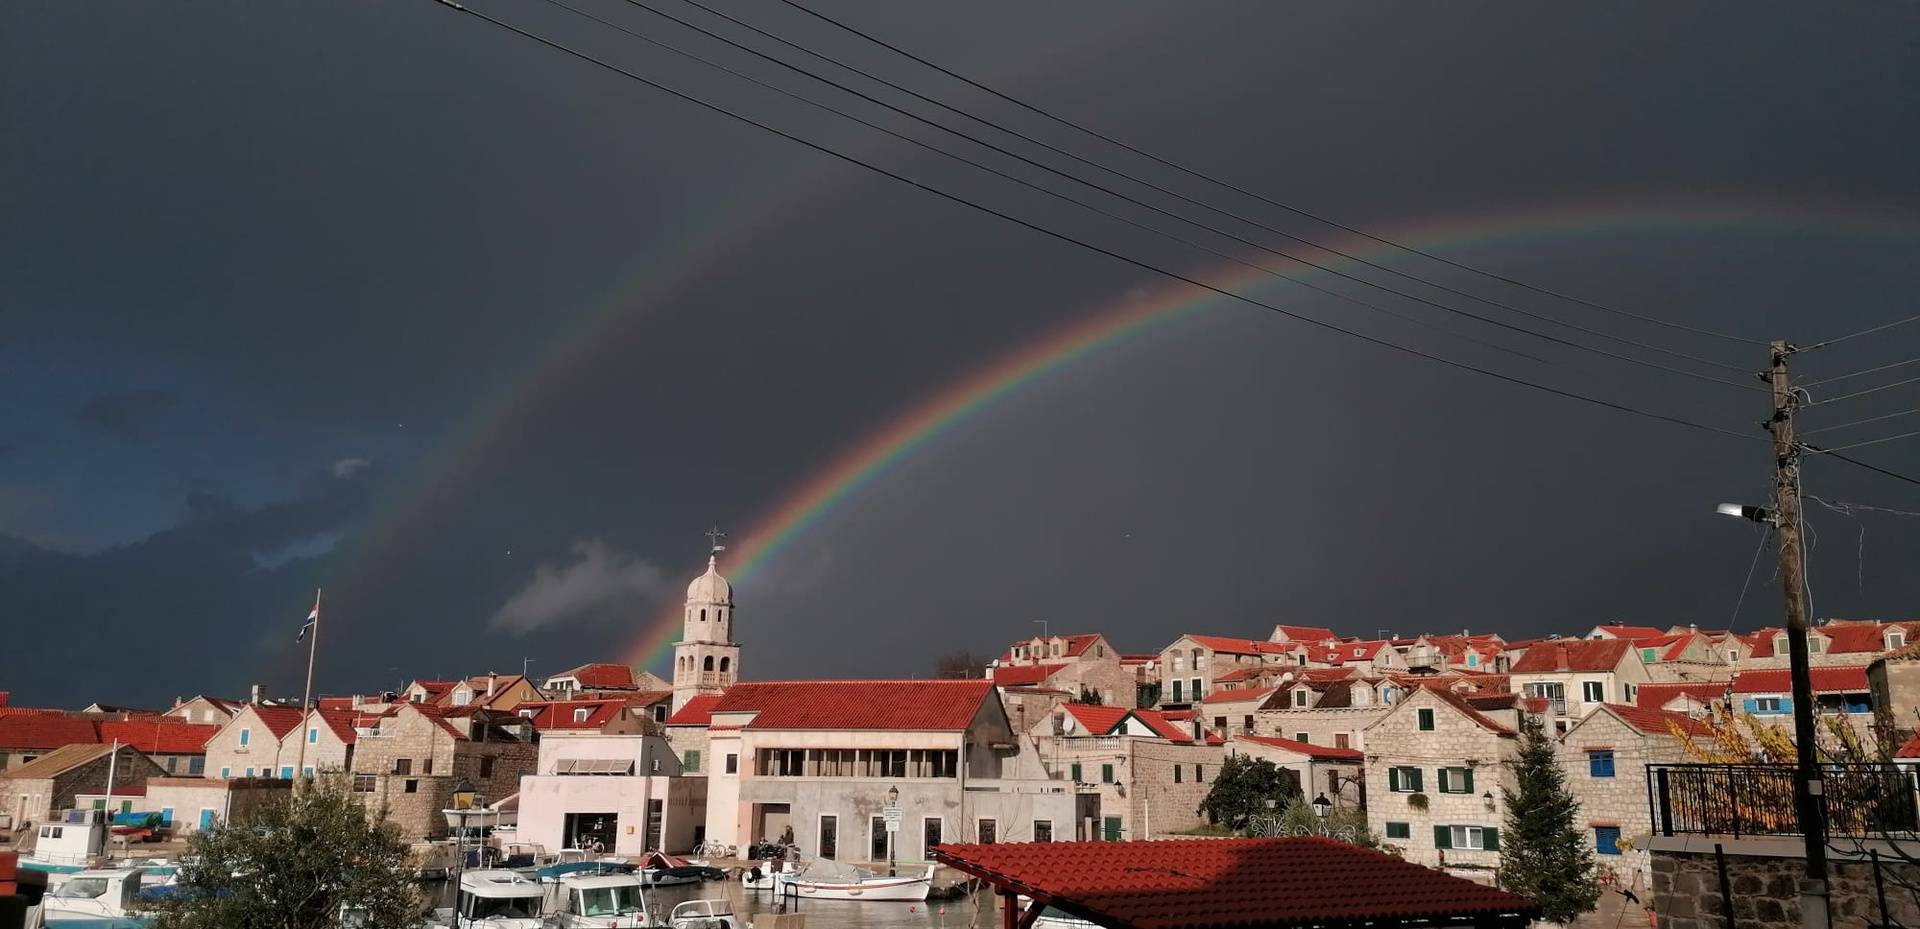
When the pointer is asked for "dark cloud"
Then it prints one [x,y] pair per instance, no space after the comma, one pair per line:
[127,414]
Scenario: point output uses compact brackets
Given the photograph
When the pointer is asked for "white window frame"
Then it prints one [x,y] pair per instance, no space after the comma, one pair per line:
[1468,838]
[582,714]
[1593,691]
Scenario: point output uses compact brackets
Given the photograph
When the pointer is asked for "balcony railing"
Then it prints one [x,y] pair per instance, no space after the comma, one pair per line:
[1861,800]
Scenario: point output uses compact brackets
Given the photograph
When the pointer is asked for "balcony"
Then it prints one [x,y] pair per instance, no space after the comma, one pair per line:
[1741,800]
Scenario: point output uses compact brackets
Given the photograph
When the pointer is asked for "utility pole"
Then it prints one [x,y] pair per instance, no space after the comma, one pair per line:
[1808,791]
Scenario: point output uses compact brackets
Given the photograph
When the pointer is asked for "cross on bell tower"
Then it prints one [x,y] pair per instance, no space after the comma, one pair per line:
[714,536]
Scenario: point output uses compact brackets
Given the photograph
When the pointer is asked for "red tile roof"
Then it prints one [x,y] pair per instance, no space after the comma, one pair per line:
[1305,633]
[698,711]
[1024,675]
[647,698]
[601,675]
[1466,709]
[1572,655]
[1655,696]
[1233,646]
[1911,749]
[1328,752]
[170,737]
[1238,696]
[1096,719]
[1849,638]
[1218,883]
[935,705]
[1633,632]
[1657,722]
[1170,729]
[561,714]
[36,731]
[1831,680]
[280,720]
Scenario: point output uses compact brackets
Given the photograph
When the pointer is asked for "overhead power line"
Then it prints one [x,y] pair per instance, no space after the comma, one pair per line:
[1855,335]
[1063,237]
[1859,422]
[1056,194]
[1873,370]
[1120,195]
[1862,393]
[1298,211]
[1889,438]
[1861,464]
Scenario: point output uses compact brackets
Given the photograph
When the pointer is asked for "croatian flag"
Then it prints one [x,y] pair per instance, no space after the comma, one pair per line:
[312,618]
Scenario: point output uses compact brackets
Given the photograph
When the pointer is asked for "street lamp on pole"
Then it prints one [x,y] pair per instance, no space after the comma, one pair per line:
[465,800]
[893,826]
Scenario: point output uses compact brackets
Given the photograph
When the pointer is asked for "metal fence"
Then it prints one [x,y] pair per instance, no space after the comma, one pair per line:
[1861,800]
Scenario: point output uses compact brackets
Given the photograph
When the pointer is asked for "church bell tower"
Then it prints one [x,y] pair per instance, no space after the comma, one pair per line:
[706,660]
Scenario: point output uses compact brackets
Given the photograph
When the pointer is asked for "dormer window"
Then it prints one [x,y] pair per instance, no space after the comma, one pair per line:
[1896,638]
[1301,659]
[1300,698]
[580,715]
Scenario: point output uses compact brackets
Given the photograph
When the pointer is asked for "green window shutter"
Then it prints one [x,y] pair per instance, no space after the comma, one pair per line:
[1468,773]
[1106,774]
[1076,773]
[1442,837]
[1393,779]
[1443,780]
[1492,839]
[1417,774]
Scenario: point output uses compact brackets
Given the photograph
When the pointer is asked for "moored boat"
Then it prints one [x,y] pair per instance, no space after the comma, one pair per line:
[826,880]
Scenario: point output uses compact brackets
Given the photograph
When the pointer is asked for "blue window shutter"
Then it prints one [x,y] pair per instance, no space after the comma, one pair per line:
[1606,840]
[1753,706]
[166,815]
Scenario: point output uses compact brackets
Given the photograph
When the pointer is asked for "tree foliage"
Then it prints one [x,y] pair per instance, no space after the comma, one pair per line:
[1544,855]
[1348,824]
[960,663]
[294,865]
[1089,696]
[1242,789]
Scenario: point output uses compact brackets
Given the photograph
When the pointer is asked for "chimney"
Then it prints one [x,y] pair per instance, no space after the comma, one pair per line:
[3,699]
[254,694]
[1693,627]
[493,680]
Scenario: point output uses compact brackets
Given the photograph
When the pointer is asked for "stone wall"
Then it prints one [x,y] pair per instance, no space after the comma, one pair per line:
[1619,801]
[1765,890]
[686,739]
[1323,726]
[1455,741]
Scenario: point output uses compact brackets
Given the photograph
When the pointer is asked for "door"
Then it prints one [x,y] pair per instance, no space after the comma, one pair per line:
[929,836]
[829,836]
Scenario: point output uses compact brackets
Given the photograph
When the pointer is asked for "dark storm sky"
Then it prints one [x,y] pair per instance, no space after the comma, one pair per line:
[376,296]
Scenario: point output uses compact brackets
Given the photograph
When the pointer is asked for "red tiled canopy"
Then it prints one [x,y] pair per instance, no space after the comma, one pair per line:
[1208,883]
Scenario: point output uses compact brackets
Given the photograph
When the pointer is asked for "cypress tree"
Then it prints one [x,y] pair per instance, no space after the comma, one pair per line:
[1544,855]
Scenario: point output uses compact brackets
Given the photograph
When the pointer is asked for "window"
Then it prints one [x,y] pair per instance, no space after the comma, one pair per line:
[1199,774]
[1199,659]
[829,836]
[1178,665]
[412,786]
[1387,694]
[486,768]
[1220,723]
[1300,698]
[249,772]
[403,766]
[707,664]
[1733,655]
[1302,737]
[1099,651]
[929,834]
[1399,830]
[426,766]
[1246,722]
[725,662]
[1816,645]
[1043,830]
[1196,689]
[1340,740]
[226,772]
[989,831]
[1628,692]
[1473,660]
[1600,764]
[363,783]
[1766,704]
[1456,780]
[308,770]
[166,815]
[580,714]
[1176,773]
[1403,780]
[1896,639]
[690,760]
[1075,773]
[1176,691]
[733,763]
[197,764]
[1106,774]
[1593,691]
[313,736]
[877,838]
[1467,837]
[245,736]
[1426,718]
[1606,840]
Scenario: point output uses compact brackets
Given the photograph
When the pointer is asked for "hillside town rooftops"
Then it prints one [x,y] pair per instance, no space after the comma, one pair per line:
[1218,883]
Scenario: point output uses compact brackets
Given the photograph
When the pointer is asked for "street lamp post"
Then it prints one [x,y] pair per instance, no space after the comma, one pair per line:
[893,826]
[1322,806]
[465,798]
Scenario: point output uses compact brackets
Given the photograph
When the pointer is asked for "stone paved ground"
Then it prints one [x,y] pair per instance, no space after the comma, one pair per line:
[1615,912]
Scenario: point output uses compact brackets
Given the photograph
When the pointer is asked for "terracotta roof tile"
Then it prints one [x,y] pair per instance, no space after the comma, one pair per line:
[1233,646]
[1217,883]
[601,675]
[1623,631]
[1024,675]
[564,714]
[938,705]
[1655,696]
[1572,655]
[1911,749]
[1828,680]
[1309,749]
[1305,633]
[698,711]
[1655,721]
[38,731]
[1238,696]
[169,738]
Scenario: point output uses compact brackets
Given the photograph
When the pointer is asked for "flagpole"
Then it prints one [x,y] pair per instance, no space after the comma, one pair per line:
[306,699]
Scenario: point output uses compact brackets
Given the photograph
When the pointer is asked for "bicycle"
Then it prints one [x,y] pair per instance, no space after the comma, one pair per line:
[715,850]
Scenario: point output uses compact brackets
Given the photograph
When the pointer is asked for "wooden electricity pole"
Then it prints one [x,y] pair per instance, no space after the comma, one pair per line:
[1808,789]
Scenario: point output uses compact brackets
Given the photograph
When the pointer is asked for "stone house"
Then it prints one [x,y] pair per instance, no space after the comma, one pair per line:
[1834,642]
[821,757]
[1577,675]
[177,746]
[1605,756]
[29,734]
[205,710]
[50,784]
[1767,693]
[1436,763]
[1338,774]
[1467,652]
[408,760]
[492,691]
[1189,665]
[1374,657]
[1305,635]
[686,731]
[1232,712]
[1324,710]
[191,804]
[1894,682]
[265,741]
[1136,772]
[602,677]
[1075,664]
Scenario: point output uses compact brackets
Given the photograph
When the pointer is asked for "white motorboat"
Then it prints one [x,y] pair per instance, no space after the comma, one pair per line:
[830,880]
[105,893]
[596,901]
[494,898]
[705,914]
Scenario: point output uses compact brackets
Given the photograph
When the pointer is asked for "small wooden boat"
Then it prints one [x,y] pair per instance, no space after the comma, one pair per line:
[826,880]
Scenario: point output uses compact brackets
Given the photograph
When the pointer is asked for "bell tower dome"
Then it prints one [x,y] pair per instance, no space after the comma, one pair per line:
[706,660]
